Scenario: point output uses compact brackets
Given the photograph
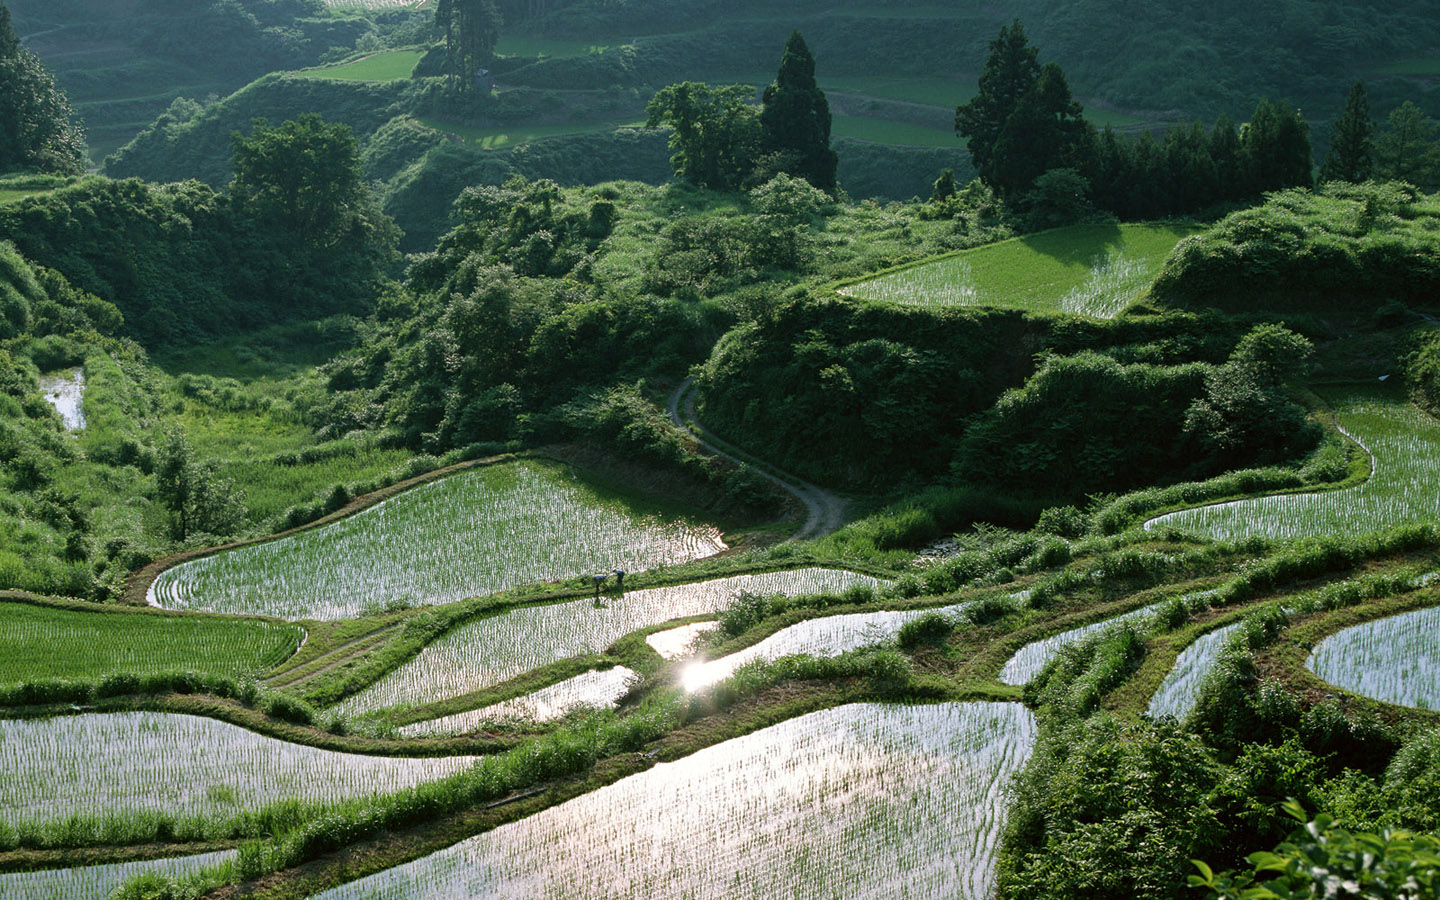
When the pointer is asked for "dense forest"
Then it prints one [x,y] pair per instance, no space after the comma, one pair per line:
[683,317]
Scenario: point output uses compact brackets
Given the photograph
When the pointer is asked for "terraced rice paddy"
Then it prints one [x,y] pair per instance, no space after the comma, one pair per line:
[91,882]
[38,642]
[601,689]
[1031,658]
[1090,270]
[1180,690]
[66,392]
[487,651]
[1396,659]
[470,534]
[674,643]
[393,65]
[811,807]
[826,636]
[183,765]
[1405,445]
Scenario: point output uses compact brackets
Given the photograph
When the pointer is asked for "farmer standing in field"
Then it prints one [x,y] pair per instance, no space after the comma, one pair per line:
[620,579]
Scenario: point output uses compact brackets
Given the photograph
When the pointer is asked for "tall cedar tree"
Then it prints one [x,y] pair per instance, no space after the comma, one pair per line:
[796,119]
[1277,145]
[36,131]
[1407,150]
[1023,120]
[1352,145]
[471,28]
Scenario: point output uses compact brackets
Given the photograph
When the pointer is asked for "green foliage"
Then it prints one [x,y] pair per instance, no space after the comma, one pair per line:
[36,127]
[1408,149]
[1345,247]
[795,120]
[1321,859]
[1352,144]
[931,628]
[471,28]
[715,131]
[198,499]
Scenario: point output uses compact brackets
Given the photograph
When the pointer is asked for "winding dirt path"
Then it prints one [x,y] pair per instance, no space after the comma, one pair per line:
[824,511]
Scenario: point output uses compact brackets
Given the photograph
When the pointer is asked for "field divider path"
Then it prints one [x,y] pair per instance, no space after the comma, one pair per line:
[825,511]
[330,659]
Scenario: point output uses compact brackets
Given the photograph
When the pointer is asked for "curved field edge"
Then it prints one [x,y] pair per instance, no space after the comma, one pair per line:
[1286,660]
[1363,397]
[1361,468]
[137,588]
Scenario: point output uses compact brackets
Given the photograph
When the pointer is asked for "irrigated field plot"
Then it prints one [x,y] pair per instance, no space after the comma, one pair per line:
[390,66]
[1181,688]
[865,800]
[674,643]
[1091,270]
[90,882]
[66,392]
[462,536]
[1405,444]
[1032,657]
[488,651]
[38,642]
[98,764]
[1396,660]
[597,689]
[826,636]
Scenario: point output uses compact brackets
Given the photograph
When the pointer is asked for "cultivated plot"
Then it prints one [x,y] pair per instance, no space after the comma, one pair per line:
[1031,658]
[99,764]
[469,534]
[1180,690]
[826,636]
[674,643]
[1405,445]
[867,800]
[1090,270]
[487,651]
[1396,659]
[393,65]
[91,882]
[38,642]
[597,689]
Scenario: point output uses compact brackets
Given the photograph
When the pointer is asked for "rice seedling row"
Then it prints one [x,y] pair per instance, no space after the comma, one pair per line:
[1405,445]
[675,643]
[487,651]
[1180,690]
[66,392]
[1088,270]
[867,800]
[826,636]
[38,642]
[92,882]
[1031,658]
[1396,659]
[595,689]
[470,534]
[118,763]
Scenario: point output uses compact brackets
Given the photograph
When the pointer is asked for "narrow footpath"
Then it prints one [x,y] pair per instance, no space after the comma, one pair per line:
[825,511]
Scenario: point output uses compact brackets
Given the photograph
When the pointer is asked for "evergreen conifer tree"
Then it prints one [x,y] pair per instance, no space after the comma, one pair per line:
[1352,145]
[36,131]
[1010,72]
[795,120]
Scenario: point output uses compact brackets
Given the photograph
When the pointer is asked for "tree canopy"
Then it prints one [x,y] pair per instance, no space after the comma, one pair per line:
[716,133]
[1352,144]
[471,28]
[37,130]
[795,121]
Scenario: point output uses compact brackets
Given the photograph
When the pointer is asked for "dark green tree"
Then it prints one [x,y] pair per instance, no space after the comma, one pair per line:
[1352,144]
[198,499]
[302,176]
[1407,150]
[1043,132]
[795,120]
[1010,72]
[944,186]
[471,28]
[716,132]
[37,130]
[1276,143]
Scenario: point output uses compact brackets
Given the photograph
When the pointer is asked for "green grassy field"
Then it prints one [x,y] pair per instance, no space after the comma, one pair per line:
[520,45]
[514,135]
[885,131]
[462,536]
[812,807]
[38,642]
[1094,270]
[392,66]
[1405,444]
